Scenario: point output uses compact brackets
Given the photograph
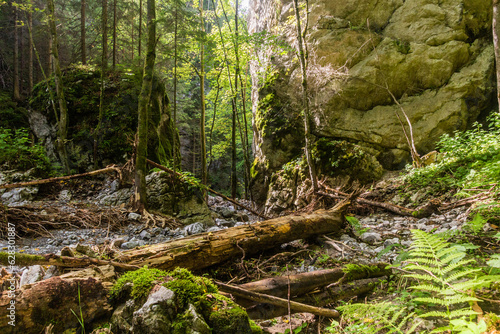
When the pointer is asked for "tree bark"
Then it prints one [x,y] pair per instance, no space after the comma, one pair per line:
[305,99]
[104,65]
[114,35]
[30,52]
[206,249]
[140,30]
[51,301]
[142,129]
[63,108]
[203,140]
[83,46]
[175,147]
[17,95]
[496,34]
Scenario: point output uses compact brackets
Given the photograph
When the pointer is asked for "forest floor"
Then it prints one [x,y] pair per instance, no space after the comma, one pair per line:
[63,217]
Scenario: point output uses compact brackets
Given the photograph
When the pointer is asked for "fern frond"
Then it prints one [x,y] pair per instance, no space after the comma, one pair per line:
[434,270]
[456,265]
[456,276]
[462,313]
[424,277]
[455,257]
[457,299]
[431,300]
[427,287]
[435,314]
[423,261]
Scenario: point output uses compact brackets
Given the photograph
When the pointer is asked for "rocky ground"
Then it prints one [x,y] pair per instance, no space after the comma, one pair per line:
[378,237]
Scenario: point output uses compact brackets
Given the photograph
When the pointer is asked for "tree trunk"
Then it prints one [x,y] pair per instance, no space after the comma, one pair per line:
[82,33]
[142,129]
[203,141]
[52,301]
[305,99]
[206,249]
[175,147]
[30,52]
[114,35]
[17,95]
[496,35]
[104,65]
[63,108]
[140,30]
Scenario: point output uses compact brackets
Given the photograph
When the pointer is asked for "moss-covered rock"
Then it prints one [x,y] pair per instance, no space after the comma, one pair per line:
[119,123]
[179,303]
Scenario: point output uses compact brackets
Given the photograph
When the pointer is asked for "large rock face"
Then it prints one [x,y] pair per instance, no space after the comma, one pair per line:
[434,56]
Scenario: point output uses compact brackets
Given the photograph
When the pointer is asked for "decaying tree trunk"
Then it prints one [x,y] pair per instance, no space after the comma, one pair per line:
[319,299]
[52,301]
[206,249]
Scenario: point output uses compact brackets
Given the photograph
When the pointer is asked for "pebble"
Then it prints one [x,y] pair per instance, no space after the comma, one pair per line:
[371,237]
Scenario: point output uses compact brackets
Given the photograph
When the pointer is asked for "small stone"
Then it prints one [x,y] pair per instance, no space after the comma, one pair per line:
[145,235]
[32,275]
[64,196]
[371,237]
[156,231]
[390,242]
[214,229]
[195,228]
[130,244]
[134,216]
[227,212]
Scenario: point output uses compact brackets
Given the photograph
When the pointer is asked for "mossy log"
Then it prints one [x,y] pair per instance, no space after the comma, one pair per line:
[301,284]
[206,249]
[54,300]
[319,299]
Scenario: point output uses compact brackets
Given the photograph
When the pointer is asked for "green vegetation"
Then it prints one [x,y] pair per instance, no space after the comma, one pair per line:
[142,280]
[188,288]
[18,152]
[467,160]
[445,282]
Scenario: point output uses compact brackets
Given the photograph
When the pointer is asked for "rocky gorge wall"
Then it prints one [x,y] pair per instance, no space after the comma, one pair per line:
[435,56]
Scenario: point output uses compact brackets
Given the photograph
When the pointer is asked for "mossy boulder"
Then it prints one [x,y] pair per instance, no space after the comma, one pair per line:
[177,302]
[113,142]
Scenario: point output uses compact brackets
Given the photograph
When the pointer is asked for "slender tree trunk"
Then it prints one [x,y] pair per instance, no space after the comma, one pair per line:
[82,33]
[63,109]
[114,35]
[234,183]
[496,34]
[132,43]
[140,28]
[175,148]
[104,64]
[305,99]
[17,95]
[203,149]
[30,53]
[142,130]
[50,59]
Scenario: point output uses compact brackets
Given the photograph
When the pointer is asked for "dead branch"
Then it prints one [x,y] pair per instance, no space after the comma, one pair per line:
[61,178]
[263,298]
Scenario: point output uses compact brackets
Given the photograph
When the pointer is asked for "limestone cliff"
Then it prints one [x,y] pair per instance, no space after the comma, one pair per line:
[435,56]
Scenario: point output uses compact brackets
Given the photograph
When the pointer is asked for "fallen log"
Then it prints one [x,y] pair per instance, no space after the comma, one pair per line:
[57,179]
[206,249]
[331,295]
[303,283]
[20,259]
[53,300]
[168,170]
[282,303]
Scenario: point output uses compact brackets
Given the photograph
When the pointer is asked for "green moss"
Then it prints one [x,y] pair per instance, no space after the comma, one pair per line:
[355,271]
[188,288]
[20,259]
[141,279]
[226,317]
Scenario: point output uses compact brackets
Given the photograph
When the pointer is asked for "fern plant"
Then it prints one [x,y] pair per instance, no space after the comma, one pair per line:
[376,318]
[446,275]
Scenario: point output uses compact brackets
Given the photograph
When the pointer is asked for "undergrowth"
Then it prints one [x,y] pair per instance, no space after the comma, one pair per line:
[467,160]
[444,282]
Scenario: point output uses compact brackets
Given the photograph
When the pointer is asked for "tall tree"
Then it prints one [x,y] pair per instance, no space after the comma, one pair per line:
[175,147]
[114,35]
[305,99]
[104,35]
[496,34]
[142,128]
[83,32]
[30,52]
[63,108]
[140,29]
[234,182]
[17,95]
[203,149]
